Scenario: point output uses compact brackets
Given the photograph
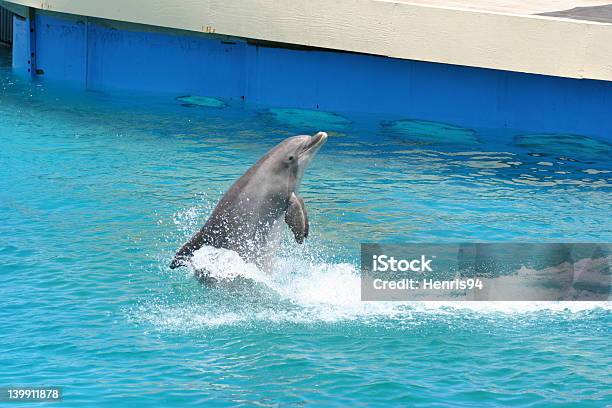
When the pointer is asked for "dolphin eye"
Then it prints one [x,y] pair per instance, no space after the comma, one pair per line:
[290,158]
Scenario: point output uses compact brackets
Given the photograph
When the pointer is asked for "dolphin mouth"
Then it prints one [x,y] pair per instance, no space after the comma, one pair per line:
[315,142]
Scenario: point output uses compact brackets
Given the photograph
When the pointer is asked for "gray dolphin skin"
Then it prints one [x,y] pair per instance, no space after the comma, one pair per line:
[247,219]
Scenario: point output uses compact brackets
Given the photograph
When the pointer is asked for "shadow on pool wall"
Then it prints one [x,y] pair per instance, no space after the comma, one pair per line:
[106,55]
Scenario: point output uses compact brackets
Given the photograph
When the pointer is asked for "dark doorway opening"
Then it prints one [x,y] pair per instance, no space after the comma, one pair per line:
[6,27]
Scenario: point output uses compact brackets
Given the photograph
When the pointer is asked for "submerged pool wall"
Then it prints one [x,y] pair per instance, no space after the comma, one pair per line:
[104,55]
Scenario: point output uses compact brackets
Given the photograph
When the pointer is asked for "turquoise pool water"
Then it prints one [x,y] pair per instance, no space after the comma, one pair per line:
[98,190]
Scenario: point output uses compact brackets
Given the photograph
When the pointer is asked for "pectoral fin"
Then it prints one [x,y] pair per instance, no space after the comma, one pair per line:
[296,218]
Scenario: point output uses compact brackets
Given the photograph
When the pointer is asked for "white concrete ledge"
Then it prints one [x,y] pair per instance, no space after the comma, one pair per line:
[472,36]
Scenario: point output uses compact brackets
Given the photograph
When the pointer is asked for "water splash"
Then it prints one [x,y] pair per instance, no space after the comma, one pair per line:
[300,290]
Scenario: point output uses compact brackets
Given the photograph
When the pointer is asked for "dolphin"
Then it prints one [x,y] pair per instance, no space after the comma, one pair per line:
[247,219]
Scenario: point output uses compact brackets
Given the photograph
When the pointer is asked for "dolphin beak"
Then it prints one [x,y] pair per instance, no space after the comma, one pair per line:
[315,142]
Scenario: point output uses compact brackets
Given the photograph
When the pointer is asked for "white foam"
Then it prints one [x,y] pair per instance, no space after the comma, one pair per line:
[226,265]
[304,291]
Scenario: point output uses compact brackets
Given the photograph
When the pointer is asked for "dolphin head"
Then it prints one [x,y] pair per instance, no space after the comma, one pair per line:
[286,163]
[308,149]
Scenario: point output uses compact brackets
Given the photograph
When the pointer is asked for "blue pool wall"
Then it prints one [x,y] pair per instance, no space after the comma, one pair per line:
[103,55]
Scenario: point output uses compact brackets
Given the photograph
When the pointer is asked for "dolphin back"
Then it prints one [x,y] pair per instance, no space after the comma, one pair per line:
[237,221]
